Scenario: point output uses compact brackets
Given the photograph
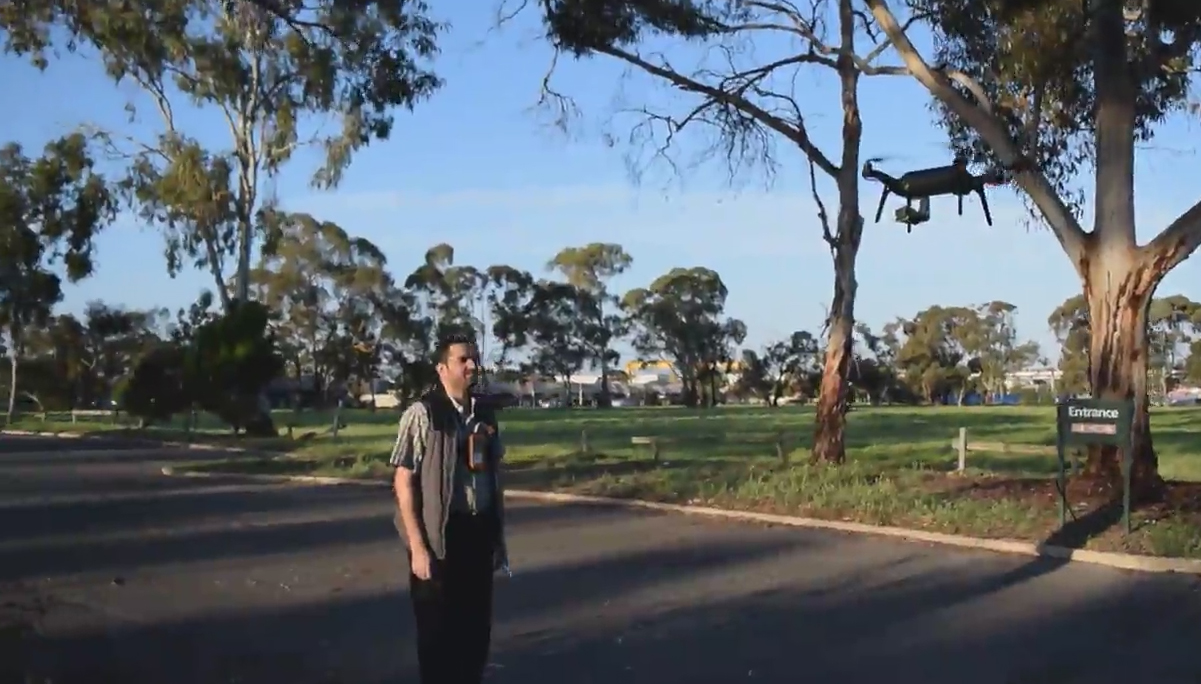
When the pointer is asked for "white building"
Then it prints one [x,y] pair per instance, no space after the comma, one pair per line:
[1032,377]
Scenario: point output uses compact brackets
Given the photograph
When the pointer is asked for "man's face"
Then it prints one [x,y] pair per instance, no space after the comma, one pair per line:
[458,371]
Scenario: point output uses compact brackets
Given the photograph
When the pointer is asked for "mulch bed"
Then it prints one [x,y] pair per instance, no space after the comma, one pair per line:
[1179,501]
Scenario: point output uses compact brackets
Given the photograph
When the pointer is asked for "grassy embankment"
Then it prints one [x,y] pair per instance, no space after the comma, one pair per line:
[899,470]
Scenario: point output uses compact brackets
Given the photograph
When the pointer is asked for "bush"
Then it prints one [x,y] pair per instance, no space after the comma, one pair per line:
[155,390]
[222,369]
[229,362]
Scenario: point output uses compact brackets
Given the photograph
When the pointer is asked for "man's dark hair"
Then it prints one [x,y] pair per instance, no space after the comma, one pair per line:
[448,340]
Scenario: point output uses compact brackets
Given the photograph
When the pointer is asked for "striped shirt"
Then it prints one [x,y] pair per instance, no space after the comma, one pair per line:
[473,491]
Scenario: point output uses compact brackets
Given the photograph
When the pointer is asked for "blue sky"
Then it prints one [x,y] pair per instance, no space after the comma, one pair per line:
[480,168]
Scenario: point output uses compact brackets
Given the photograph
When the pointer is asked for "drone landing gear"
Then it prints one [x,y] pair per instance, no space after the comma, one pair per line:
[912,217]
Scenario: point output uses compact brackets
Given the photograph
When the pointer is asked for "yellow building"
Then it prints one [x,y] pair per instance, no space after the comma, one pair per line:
[634,368]
[640,367]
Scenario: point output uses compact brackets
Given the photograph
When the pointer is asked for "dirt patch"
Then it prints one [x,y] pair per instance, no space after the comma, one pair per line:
[1177,498]
[1170,524]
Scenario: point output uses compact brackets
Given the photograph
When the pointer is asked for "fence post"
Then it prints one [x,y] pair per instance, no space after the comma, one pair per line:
[961,447]
[584,448]
[337,419]
[781,448]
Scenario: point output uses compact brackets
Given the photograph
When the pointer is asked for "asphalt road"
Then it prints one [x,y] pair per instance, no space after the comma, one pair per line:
[130,576]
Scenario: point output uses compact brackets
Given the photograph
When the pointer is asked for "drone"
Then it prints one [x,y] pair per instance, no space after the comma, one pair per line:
[923,184]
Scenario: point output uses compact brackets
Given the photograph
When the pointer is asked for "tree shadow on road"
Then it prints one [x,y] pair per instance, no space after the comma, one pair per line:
[934,630]
[45,540]
[188,501]
[600,622]
[355,639]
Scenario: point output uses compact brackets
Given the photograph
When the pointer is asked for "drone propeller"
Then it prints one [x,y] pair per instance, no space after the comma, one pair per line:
[888,158]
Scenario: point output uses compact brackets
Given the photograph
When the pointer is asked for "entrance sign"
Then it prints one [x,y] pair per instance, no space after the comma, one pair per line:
[1087,422]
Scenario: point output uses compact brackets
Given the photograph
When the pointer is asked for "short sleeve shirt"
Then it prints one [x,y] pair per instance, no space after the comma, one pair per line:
[473,491]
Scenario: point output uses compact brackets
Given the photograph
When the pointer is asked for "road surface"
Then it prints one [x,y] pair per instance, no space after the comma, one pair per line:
[130,576]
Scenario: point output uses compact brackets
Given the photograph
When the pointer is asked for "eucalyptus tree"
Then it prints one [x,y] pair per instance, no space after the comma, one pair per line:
[51,208]
[1046,91]
[452,295]
[994,343]
[511,298]
[276,75]
[737,66]
[326,289]
[681,317]
[590,269]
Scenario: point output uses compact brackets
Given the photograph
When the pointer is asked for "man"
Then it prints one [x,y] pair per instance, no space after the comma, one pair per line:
[451,515]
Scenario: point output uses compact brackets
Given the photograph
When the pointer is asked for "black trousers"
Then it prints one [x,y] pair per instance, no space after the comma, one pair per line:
[453,608]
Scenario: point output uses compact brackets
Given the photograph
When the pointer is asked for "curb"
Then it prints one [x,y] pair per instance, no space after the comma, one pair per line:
[30,433]
[1122,561]
[195,446]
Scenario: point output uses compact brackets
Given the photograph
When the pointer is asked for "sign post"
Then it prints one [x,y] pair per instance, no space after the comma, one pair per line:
[1085,422]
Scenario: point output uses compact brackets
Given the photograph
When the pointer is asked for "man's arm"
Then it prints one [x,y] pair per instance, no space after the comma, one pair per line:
[406,458]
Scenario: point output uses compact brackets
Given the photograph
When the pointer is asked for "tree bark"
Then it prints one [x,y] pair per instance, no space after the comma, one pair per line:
[12,384]
[604,400]
[829,439]
[829,436]
[1118,286]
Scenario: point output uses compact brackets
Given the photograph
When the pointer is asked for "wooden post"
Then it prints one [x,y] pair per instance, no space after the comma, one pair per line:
[337,419]
[584,448]
[781,448]
[961,447]
[655,450]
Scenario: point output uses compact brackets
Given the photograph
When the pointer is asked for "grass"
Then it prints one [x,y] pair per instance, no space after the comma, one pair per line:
[898,471]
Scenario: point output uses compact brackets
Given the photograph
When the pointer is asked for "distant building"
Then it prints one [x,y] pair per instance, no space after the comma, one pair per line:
[1184,395]
[1033,377]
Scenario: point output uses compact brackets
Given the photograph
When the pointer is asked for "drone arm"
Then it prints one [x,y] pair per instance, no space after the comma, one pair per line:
[983,205]
[870,173]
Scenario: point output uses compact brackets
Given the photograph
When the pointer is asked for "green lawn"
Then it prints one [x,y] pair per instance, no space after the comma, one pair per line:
[897,474]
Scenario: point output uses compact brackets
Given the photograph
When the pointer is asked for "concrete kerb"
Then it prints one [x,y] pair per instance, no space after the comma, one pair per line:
[30,433]
[103,436]
[1123,561]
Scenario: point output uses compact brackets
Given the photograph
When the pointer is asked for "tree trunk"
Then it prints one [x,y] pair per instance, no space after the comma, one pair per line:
[12,384]
[1119,288]
[829,444]
[604,400]
[829,436]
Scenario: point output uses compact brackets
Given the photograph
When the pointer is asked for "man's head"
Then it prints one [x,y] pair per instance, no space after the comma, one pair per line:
[456,359]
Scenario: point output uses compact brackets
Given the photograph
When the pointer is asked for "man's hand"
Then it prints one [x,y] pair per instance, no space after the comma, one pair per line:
[422,563]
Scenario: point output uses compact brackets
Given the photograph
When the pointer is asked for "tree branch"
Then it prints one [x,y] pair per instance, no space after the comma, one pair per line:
[286,15]
[823,216]
[795,133]
[978,115]
[1179,240]
[804,29]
